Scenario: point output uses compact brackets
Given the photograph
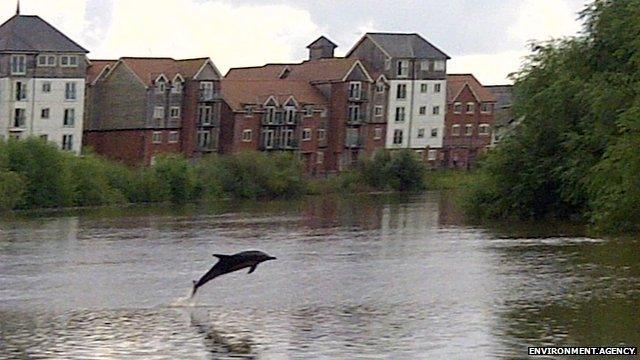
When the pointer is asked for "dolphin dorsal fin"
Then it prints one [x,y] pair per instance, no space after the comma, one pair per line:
[220,256]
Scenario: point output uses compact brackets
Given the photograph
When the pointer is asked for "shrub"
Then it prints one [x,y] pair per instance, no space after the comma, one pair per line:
[12,188]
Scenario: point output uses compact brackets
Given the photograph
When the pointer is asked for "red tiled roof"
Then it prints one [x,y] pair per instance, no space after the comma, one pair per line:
[456,82]
[148,69]
[329,69]
[95,69]
[239,92]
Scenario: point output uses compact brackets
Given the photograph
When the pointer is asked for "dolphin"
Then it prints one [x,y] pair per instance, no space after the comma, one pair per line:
[230,263]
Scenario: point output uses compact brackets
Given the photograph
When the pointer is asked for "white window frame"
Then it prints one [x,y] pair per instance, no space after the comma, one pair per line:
[319,157]
[247,135]
[398,136]
[434,132]
[439,65]
[70,91]
[23,123]
[269,139]
[421,133]
[484,130]
[401,94]
[45,113]
[69,118]
[380,87]
[470,108]
[248,111]
[306,134]
[176,88]
[67,142]
[174,112]
[455,130]
[468,130]
[289,115]
[20,91]
[422,110]
[435,110]
[432,155]
[174,137]
[49,61]
[308,111]
[354,113]
[486,108]
[400,110]
[205,114]
[322,134]
[156,137]
[270,115]
[437,88]
[158,112]
[377,111]
[204,139]
[355,90]
[455,108]
[46,87]
[18,64]
[377,133]
[403,68]
[424,88]
[67,59]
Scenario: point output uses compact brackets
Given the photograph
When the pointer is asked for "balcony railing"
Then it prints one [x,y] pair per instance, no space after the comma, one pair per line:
[357,96]
[353,141]
[19,122]
[280,119]
[356,120]
[209,95]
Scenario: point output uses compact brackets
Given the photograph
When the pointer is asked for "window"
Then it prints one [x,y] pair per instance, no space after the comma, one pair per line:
[206,91]
[21,91]
[377,133]
[44,113]
[157,137]
[67,142]
[290,115]
[18,64]
[70,91]
[68,61]
[161,87]
[175,111]
[174,137]
[287,138]
[355,90]
[483,130]
[471,107]
[421,133]
[270,115]
[19,119]
[46,60]
[401,92]
[397,137]
[487,107]
[248,111]
[380,88]
[377,111]
[306,134]
[434,132]
[455,130]
[46,87]
[319,157]
[204,139]
[158,112]
[400,114]
[437,88]
[468,130]
[424,65]
[268,138]
[354,113]
[69,117]
[44,137]
[177,87]
[424,88]
[322,134]
[432,155]
[438,65]
[423,110]
[205,114]
[457,108]
[308,111]
[403,68]
[436,110]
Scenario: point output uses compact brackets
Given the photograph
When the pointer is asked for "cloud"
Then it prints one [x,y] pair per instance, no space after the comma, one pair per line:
[543,20]
[231,35]
[490,69]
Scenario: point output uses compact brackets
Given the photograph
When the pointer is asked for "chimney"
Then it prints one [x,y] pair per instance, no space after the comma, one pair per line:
[321,48]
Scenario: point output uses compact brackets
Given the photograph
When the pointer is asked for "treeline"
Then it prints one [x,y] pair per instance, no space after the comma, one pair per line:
[36,174]
[576,153]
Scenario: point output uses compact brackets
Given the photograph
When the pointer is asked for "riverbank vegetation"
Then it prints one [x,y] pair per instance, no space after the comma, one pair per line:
[35,174]
[576,152]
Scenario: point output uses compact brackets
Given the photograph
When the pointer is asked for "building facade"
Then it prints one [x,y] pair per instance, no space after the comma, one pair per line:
[469,121]
[138,108]
[411,73]
[504,116]
[42,82]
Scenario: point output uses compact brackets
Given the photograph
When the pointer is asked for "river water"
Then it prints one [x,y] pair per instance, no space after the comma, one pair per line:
[375,277]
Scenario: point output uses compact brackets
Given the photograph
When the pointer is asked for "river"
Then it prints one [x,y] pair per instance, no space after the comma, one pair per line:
[374,277]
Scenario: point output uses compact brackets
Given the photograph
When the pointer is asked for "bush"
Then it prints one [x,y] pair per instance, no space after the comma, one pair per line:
[12,189]
[91,179]
[400,171]
[174,173]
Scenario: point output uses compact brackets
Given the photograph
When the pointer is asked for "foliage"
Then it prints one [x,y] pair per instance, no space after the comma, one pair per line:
[575,152]
[399,171]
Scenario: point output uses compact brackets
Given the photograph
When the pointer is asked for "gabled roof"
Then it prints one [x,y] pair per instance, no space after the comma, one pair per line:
[457,82]
[401,45]
[149,69]
[97,67]
[328,69]
[237,93]
[503,95]
[322,41]
[22,33]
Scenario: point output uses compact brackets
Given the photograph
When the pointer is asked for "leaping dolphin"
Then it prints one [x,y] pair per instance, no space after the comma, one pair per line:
[230,263]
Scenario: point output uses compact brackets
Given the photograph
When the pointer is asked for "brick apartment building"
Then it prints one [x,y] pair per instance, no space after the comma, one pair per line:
[42,81]
[138,108]
[333,93]
[468,122]
[410,99]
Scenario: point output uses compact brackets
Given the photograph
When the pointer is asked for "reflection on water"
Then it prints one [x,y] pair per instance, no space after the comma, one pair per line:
[371,277]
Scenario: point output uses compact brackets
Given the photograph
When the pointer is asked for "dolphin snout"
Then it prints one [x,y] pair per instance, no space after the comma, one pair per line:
[272,258]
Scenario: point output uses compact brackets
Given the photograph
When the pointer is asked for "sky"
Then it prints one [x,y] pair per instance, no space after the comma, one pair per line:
[487,38]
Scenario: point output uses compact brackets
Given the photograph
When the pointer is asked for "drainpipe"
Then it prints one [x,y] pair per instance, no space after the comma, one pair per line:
[413,83]
[33,103]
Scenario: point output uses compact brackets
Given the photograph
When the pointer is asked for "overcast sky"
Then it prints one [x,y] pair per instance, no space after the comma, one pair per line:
[486,37]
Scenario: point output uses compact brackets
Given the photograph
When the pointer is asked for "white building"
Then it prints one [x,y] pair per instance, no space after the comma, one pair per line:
[414,72]
[42,76]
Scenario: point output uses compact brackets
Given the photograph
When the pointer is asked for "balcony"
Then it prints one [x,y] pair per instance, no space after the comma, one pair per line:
[358,96]
[279,119]
[353,140]
[19,124]
[356,120]
[208,95]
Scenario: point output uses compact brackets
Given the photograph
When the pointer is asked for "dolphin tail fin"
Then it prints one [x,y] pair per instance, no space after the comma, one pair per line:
[195,288]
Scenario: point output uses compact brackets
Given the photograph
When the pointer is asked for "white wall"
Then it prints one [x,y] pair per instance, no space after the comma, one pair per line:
[37,100]
[413,120]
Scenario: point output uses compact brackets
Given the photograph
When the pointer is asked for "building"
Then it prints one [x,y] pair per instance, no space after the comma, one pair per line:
[504,117]
[410,73]
[342,88]
[42,82]
[138,108]
[469,120]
